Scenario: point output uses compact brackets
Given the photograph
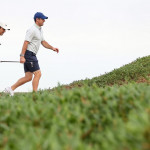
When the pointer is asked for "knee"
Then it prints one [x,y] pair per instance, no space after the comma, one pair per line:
[38,74]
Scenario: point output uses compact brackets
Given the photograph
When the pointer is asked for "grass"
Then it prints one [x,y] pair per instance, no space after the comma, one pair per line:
[137,71]
[90,114]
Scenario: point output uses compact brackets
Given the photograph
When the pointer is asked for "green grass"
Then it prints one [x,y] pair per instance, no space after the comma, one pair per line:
[128,73]
[93,117]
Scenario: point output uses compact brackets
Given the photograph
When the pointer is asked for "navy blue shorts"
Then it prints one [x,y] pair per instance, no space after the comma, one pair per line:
[31,64]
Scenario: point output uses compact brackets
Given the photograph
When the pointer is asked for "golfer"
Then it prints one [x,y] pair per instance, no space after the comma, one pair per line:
[33,39]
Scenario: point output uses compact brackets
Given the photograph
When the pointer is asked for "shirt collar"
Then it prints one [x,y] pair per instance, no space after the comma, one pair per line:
[37,26]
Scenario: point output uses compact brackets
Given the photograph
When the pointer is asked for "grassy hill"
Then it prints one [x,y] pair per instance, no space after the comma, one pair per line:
[137,71]
[90,114]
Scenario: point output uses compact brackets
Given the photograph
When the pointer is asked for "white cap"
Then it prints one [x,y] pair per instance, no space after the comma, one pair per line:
[4,26]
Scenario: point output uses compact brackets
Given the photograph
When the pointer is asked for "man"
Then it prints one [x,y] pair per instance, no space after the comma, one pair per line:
[34,37]
[3,28]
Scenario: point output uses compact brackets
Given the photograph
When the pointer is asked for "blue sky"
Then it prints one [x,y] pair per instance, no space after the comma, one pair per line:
[94,37]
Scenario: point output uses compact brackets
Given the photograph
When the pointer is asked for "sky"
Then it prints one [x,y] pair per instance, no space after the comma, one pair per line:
[93,36]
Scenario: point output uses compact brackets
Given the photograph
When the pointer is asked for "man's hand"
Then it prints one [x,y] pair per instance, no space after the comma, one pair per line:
[22,59]
[56,50]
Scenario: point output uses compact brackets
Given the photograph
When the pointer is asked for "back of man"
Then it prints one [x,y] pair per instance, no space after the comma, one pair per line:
[34,35]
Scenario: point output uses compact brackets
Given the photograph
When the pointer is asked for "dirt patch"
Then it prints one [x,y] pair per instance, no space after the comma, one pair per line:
[143,80]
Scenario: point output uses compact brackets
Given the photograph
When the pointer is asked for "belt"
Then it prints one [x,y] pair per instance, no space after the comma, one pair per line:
[33,54]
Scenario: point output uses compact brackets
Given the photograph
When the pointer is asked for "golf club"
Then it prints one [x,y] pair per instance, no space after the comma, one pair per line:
[10,61]
[1,61]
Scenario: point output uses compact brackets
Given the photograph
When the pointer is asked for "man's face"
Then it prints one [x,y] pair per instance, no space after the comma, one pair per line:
[40,21]
[2,31]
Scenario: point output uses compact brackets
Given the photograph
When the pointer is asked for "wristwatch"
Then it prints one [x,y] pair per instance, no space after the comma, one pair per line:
[21,55]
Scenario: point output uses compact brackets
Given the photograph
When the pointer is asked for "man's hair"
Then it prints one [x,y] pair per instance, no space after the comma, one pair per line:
[0,27]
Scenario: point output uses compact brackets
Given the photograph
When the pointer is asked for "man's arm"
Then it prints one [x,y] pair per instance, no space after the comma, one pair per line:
[24,48]
[46,45]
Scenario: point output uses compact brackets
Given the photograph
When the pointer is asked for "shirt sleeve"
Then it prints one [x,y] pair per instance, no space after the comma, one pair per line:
[29,35]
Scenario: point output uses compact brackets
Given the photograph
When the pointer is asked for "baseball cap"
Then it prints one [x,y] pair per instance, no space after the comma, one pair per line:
[4,26]
[40,15]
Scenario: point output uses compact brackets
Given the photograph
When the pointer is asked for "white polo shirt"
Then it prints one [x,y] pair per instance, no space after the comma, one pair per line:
[34,36]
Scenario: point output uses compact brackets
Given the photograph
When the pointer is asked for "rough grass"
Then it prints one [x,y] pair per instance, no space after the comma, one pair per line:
[100,114]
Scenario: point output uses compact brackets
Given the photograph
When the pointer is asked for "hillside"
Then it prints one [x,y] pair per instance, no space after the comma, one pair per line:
[100,114]
[137,71]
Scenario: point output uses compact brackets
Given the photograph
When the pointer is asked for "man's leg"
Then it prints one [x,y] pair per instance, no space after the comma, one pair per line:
[35,82]
[21,81]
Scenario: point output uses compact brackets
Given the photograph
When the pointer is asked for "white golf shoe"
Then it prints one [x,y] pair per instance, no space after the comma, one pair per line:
[9,90]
